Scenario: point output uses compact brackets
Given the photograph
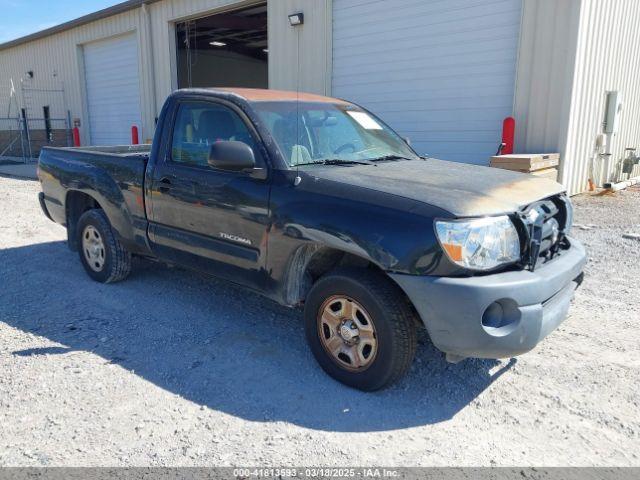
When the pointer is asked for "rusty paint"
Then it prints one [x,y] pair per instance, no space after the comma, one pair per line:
[263,95]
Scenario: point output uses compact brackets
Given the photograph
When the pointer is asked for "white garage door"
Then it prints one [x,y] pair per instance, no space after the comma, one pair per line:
[113,89]
[439,72]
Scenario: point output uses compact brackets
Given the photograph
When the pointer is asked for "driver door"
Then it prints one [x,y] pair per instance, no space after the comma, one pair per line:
[206,218]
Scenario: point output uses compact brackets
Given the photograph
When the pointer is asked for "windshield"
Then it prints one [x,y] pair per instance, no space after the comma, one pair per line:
[328,132]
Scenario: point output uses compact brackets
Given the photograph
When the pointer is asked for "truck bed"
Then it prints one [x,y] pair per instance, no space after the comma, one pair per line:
[113,176]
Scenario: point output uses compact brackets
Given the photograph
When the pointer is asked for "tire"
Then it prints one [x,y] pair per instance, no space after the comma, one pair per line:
[383,306]
[106,260]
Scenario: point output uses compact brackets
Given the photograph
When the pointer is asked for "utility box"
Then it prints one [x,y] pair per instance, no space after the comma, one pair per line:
[539,164]
[612,112]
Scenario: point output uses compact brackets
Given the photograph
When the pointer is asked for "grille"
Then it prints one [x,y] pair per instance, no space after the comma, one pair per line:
[545,224]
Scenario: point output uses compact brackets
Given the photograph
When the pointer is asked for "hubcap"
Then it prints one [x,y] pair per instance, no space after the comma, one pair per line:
[93,248]
[347,333]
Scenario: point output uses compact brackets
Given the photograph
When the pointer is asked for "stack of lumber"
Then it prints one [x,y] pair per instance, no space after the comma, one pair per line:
[543,165]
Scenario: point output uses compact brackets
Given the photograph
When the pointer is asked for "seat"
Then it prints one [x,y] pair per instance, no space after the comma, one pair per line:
[214,125]
[283,133]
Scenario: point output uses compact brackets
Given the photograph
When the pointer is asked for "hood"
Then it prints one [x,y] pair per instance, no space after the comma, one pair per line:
[462,189]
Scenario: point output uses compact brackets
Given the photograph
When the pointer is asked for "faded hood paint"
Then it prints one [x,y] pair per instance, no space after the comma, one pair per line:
[462,189]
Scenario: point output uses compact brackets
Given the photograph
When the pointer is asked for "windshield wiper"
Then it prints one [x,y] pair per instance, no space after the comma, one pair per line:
[389,157]
[337,161]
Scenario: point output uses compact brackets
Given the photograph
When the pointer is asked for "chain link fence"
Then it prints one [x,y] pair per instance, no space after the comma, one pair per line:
[21,140]
[36,116]
[12,140]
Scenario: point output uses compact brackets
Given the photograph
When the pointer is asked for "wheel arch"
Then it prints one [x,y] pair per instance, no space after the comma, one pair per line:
[76,203]
[310,262]
[84,197]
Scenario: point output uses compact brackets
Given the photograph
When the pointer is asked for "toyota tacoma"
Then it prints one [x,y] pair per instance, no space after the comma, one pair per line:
[316,203]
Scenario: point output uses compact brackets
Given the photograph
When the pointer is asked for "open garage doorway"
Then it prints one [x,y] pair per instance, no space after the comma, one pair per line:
[224,50]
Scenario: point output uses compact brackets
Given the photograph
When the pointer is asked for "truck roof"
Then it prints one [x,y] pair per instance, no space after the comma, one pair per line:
[266,95]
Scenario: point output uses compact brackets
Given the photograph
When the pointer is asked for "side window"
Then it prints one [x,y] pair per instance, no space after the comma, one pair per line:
[198,125]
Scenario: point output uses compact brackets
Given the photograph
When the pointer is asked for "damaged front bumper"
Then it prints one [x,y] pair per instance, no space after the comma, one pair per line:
[498,315]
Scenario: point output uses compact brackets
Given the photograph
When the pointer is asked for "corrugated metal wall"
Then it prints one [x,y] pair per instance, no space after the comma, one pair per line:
[311,45]
[572,52]
[608,58]
[545,74]
[441,73]
[57,59]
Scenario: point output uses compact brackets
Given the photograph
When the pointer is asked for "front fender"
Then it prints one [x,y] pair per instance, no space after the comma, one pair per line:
[394,233]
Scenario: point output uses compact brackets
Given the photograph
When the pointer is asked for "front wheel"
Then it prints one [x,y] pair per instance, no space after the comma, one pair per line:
[360,328]
[101,253]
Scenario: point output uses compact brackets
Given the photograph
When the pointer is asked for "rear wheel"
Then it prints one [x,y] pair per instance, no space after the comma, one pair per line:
[360,328]
[101,253]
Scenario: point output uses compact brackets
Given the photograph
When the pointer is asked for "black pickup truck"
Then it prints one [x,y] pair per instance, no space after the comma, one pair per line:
[315,202]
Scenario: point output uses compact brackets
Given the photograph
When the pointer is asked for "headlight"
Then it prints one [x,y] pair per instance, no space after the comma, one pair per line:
[480,244]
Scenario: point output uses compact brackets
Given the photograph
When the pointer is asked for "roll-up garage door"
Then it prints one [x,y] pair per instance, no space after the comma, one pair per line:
[113,89]
[439,72]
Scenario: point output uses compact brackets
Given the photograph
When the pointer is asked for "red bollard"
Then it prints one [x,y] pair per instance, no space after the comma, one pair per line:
[76,137]
[134,135]
[508,135]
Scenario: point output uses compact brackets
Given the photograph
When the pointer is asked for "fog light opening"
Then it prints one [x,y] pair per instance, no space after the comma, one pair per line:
[501,317]
[493,316]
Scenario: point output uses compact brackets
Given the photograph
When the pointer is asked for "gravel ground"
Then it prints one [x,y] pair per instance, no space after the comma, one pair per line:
[173,368]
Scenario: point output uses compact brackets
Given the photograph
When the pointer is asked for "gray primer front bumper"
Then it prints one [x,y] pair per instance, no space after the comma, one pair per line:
[452,308]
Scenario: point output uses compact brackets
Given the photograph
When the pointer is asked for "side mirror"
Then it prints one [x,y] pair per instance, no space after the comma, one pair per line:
[407,140]
[231,155]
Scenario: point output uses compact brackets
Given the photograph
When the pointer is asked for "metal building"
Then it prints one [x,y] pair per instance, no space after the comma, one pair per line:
[443,73]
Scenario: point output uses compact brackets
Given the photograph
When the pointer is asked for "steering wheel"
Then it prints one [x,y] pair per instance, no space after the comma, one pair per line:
[341,148]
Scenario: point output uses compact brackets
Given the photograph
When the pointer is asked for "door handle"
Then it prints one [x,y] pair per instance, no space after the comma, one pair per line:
[165,184]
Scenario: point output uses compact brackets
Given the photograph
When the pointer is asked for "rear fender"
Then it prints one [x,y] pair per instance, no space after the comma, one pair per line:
[109,197]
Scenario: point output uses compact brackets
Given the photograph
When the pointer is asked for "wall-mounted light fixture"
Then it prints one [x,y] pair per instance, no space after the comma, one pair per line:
[296,19]
[217,44]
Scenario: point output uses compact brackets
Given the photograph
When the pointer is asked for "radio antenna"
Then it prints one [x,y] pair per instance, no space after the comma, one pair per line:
[296,20]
